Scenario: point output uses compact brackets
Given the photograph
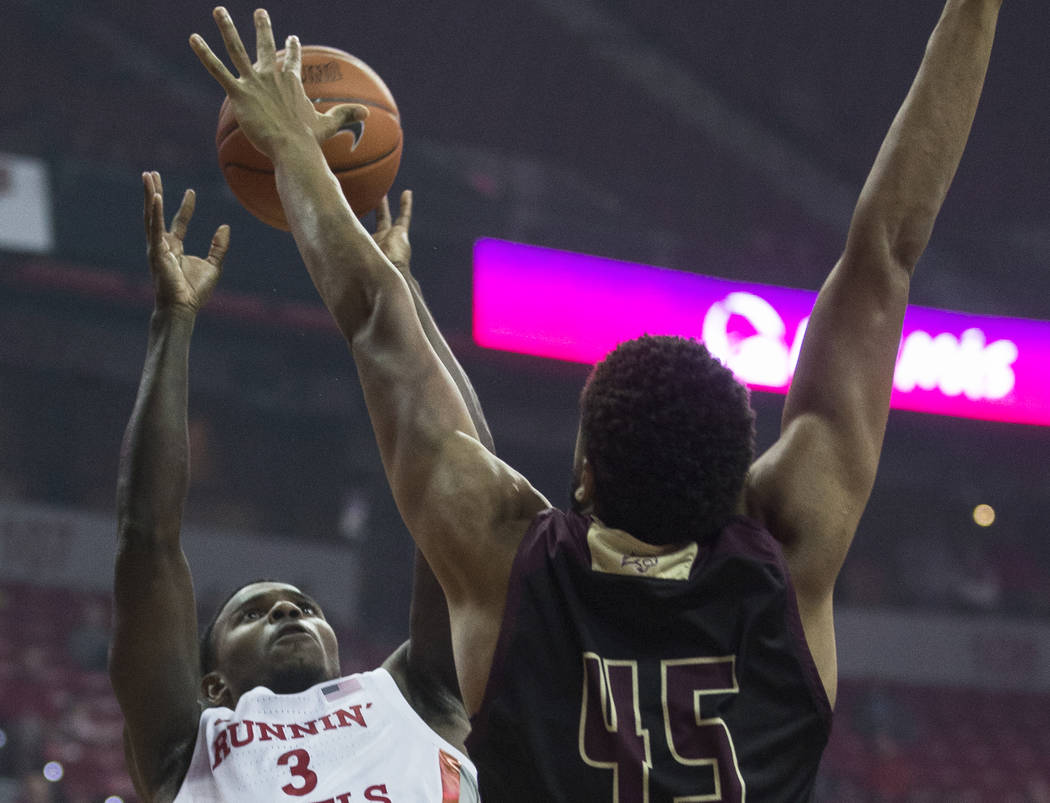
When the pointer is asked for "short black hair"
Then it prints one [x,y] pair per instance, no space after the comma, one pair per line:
[670,435]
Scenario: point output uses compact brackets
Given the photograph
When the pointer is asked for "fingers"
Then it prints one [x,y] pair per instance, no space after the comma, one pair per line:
[404,217]
[147,201]
[293,56]
[232,40]
[346,117]
[182,217]
[155,222]
[152,212]
[382,216]
[265,49]
[212,63]
[349,113]
[220,243]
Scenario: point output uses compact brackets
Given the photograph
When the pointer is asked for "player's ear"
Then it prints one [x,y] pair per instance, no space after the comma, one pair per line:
[584,492]
[214,690]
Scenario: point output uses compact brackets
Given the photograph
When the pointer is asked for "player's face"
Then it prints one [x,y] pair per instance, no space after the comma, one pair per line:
[271,634]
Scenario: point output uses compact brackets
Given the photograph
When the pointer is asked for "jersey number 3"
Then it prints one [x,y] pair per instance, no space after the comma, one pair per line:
[304,779]
[612,734]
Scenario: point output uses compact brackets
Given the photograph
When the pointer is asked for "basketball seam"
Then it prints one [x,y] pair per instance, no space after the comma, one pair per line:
[361,101]
[342,170]
[392,112]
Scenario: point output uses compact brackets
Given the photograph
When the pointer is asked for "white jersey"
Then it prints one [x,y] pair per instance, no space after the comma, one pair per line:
[350,740]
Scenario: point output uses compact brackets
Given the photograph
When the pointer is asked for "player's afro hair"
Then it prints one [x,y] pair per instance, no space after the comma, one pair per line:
[670,436]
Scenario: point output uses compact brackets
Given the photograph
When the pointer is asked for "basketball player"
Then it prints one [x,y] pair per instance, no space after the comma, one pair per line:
[671,637]
[279,722]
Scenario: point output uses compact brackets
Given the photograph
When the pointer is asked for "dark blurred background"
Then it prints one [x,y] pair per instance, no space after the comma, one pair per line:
[724,138]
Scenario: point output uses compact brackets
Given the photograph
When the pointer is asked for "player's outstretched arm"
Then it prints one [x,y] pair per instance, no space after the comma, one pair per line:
[392,238]
[153,660]
[428,656]
[813,484]
[465,508]
[425,665]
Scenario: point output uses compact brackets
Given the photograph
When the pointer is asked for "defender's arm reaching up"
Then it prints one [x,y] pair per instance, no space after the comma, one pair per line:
[811,487]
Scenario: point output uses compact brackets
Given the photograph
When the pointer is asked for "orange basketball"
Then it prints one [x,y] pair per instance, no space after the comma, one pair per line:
[366,173]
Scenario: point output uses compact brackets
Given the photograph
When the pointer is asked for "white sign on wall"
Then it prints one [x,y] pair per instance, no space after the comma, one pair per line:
[25,205]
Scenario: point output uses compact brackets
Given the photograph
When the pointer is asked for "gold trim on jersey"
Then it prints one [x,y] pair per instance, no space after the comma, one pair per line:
[618,552]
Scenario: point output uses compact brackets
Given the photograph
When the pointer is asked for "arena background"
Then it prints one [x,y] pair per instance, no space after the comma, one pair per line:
[724,138]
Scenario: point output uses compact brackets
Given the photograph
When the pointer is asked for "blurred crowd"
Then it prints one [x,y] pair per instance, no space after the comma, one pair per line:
[60,727]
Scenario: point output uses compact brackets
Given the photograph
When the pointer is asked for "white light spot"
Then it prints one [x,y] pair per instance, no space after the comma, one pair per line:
[53,771]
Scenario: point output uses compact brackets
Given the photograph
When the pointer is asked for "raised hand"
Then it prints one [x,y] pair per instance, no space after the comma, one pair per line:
[267,97]
[392,237]
[179,280]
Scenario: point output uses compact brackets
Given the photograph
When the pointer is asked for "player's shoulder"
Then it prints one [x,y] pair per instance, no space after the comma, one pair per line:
[743,533]
[473,489]
[557,522]
[549,531]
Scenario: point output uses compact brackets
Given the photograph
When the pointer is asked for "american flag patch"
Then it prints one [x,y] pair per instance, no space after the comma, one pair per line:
[336,691]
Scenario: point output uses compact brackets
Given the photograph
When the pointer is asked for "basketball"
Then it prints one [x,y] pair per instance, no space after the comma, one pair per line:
[366,173]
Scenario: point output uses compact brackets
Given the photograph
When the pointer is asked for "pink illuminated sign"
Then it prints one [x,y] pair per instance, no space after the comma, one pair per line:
[577,307]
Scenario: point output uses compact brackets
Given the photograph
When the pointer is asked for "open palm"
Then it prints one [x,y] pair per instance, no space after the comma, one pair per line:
[180,280]
[267,97]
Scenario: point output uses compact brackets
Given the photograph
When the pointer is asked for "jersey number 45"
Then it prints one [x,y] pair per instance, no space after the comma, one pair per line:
[614,737]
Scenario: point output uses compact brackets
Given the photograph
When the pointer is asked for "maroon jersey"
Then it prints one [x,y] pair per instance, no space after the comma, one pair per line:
[638,674]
